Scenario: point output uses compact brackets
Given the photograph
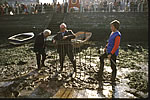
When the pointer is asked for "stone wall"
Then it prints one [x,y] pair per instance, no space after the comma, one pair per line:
[134,26]
[10,25]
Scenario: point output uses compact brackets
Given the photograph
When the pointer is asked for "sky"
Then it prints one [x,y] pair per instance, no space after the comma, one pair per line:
[50,1]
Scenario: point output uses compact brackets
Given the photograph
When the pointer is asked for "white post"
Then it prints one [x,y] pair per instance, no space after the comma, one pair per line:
[17,9]
[6,10]
[67,8]
[94,7]
[109,7]
[141,6]
[83,9]
[80,6]
[138,9]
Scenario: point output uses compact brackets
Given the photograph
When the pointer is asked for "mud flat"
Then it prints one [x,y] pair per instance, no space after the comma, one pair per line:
[19,77]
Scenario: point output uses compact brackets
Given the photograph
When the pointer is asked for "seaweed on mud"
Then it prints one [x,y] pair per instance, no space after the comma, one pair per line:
[138,82]
[20,60]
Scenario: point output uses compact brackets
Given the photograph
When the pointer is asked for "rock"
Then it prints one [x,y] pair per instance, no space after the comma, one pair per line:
[63,75]
[5,92]
[29,88]
[92,79]
[130,47]
[15,93]
[59,77]
[12,63]
[139,48]
[141,94]
[5,84]
[125,49]
[21,62]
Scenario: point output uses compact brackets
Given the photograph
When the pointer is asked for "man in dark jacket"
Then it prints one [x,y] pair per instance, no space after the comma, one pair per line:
[39,47]
[64,46]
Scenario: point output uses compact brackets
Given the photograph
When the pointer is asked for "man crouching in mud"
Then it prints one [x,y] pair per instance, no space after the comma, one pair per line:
[111,52]
[39,47]
[64,46]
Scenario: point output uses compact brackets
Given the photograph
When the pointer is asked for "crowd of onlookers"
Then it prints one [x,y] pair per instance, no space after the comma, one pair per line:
[117,6]
[39,8]
[102,6]
[6,9]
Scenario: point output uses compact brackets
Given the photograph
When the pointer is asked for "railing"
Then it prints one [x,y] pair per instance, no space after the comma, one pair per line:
[49,9]
[111,8]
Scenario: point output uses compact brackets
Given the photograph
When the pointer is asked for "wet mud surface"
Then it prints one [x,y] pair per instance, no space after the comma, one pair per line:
[20,78]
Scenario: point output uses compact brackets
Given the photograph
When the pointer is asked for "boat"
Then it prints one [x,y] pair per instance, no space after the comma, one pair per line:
[80,39]
[21,38]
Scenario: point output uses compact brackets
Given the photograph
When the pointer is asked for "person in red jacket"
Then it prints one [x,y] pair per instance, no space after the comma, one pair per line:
[111,52]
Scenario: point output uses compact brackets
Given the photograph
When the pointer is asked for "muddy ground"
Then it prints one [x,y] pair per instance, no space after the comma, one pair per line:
[19,77]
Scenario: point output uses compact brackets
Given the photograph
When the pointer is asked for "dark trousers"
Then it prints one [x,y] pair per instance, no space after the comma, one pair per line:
[113,67]
[66,51]
[38,58]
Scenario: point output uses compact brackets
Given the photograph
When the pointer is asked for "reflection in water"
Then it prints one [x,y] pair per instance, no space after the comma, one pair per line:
[100,94]
[107,92]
